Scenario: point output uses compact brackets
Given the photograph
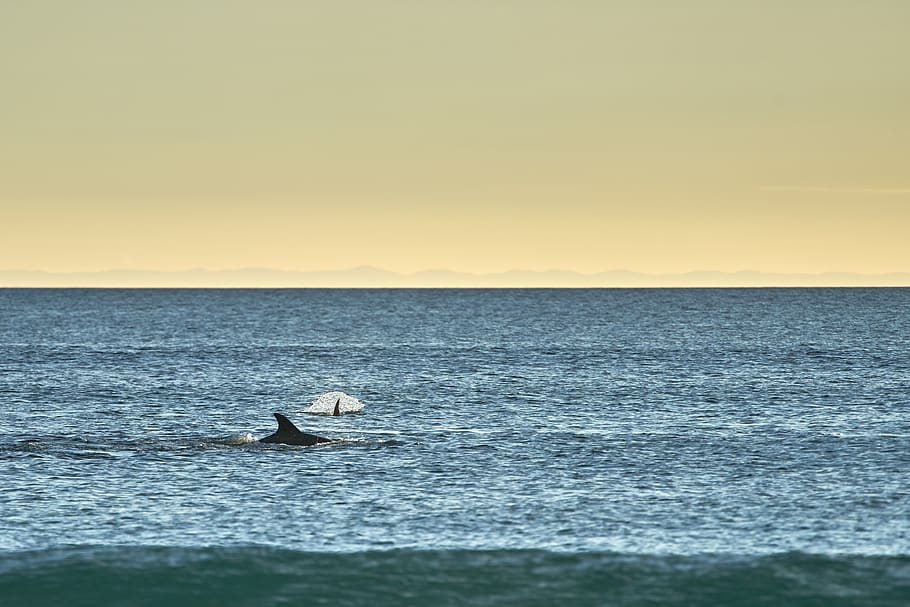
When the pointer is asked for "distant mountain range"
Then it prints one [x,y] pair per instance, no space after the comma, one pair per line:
[367,277]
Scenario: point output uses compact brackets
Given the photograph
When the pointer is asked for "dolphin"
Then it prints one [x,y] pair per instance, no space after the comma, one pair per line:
[288,434]
[337,410]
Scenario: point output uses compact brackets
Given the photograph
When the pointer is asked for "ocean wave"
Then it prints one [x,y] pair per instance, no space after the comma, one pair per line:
[258,575]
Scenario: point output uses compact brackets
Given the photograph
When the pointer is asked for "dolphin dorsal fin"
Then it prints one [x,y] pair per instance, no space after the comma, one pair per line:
[337,410]
[284,424]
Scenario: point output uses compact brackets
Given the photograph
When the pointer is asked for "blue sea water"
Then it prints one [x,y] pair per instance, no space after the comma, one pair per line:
[517,447]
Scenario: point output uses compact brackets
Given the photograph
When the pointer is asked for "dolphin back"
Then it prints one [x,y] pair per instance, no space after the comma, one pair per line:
[288,434]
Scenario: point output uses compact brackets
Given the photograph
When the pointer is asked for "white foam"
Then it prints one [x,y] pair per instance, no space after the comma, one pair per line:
[240,439]
[325,404]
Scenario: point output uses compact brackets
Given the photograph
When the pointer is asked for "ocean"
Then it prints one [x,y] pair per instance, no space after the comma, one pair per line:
[515,447]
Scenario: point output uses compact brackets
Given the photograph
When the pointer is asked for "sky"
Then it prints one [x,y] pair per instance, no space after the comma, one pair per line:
[473,136]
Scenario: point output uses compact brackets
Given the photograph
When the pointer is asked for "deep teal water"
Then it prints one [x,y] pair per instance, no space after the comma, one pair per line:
[631,447]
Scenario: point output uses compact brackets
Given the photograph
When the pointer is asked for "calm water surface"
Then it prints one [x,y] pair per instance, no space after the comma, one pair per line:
[515,446]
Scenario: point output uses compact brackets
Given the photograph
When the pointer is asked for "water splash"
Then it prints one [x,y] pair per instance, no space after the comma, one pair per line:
[238,439]
[325,404]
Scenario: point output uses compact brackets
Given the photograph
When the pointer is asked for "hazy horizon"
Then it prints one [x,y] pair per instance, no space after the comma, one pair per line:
[372,277]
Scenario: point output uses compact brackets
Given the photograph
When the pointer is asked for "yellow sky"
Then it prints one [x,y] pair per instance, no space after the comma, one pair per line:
[479,136]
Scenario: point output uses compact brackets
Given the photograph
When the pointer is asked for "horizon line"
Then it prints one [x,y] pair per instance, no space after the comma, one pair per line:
[373,277]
